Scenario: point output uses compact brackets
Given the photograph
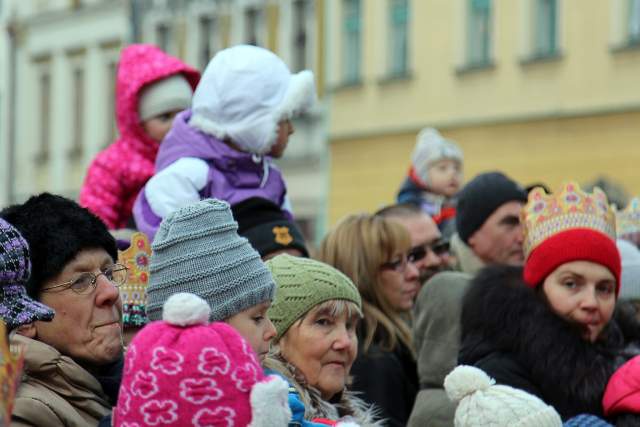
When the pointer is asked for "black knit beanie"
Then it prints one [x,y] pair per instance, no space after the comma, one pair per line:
[481,197]
[57,229]
[267,227]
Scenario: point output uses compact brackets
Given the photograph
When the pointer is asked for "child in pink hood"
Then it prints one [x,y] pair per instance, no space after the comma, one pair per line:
[151,88]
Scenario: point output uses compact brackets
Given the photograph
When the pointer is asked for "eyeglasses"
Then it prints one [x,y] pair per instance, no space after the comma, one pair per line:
[399,265]
[86,282]
[439,248]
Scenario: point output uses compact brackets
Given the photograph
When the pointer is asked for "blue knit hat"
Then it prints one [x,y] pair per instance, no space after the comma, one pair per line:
[197,250]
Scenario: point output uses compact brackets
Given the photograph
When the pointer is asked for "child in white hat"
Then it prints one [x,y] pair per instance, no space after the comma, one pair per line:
[222,147]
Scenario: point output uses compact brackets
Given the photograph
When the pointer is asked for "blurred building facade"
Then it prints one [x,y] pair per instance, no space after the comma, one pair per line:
[195,30]
[4,112]
[62,71]
[545,90]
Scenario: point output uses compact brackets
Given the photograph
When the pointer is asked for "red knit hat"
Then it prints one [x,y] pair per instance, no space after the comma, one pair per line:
[569,226]
[577,244]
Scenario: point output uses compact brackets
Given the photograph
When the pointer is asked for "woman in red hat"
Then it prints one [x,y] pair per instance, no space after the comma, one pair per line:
[547,328]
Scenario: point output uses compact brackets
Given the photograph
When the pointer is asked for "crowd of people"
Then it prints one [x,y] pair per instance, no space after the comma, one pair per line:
[180,291]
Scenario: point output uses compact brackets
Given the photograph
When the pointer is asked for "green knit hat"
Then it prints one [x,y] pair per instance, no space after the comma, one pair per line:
[302,284]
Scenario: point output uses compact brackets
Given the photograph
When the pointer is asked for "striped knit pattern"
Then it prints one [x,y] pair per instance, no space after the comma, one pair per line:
[303,284]
[197,250]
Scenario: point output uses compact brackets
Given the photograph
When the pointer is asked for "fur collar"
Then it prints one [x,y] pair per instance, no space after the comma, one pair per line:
[501,314]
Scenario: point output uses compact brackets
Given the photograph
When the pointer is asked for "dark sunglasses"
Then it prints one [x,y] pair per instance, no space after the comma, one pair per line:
[440,247]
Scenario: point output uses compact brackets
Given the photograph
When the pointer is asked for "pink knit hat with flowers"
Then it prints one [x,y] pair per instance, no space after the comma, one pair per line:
[184,371]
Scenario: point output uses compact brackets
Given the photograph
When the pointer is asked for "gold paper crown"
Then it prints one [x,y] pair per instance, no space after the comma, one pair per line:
[134,292]
[545,215]
[10,373]
[628,220]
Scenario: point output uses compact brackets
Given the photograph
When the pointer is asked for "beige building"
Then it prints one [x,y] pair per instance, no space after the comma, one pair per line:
[544,90]
[62,80]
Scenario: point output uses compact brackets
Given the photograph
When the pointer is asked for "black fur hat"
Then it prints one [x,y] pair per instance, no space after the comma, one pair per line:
[57,229]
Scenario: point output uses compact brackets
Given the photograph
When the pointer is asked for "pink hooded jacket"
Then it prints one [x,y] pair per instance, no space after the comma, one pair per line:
[119,172]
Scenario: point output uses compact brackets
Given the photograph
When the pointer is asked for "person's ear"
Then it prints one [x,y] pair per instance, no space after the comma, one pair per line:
[28,330]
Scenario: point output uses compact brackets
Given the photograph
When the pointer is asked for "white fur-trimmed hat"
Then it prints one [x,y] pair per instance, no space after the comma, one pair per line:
[483,403]
[245,92]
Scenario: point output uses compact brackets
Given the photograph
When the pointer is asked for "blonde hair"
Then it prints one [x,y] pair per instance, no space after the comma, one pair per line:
[358,246]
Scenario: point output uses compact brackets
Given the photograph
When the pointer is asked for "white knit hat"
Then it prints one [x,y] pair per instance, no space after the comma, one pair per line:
[163,96]
[245,92]
[630,277]
[482,403]
[430,148]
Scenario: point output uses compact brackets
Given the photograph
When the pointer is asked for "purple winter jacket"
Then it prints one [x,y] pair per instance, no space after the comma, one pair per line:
[233,175]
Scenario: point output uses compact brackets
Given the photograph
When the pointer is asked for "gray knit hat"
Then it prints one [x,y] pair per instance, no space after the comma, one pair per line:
[197,250]
[304,283]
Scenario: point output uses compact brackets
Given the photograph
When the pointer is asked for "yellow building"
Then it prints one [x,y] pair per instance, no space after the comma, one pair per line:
[544,90]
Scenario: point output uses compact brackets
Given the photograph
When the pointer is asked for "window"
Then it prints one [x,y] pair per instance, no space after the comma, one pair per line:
[479,34]
[252,25]
[352,41]
[544,41]
[163,37]
[398,44]
[207,34]
[634,21]
[300,39]
[78,113]
[45,118]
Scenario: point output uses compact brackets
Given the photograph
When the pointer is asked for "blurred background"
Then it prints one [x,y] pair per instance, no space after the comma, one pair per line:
[544,90]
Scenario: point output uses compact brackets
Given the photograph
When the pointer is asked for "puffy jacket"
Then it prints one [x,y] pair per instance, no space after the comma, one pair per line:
[55,391]
[117,174]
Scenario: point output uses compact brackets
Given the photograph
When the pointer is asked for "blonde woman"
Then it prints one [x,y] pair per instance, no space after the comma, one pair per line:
[373,252]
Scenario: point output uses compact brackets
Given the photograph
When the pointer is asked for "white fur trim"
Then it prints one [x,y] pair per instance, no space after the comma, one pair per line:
[300,96]
[347,424]
[465,380]
[184,309]
[269,403]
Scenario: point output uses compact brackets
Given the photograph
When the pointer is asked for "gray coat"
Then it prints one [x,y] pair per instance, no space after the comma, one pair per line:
[436,334]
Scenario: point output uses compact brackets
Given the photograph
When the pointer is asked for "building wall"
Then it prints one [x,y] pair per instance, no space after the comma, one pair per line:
[529,118]
[366,173]
[57,38]
[4,111]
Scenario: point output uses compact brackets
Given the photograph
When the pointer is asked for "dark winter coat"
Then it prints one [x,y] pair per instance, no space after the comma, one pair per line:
[388,379]
[510,332]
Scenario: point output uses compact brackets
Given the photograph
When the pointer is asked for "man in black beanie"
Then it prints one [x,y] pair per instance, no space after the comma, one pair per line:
[488,222]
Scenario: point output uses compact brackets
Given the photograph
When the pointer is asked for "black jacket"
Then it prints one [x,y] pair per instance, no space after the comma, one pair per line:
[388,379]
[509,331]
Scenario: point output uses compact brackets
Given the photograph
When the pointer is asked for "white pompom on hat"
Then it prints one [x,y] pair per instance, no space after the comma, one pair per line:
[482,403]
[244,93]
[185,309]
[164,96]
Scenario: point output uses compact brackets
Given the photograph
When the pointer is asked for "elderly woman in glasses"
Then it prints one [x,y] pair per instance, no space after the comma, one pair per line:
[374,253]
[73,364]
